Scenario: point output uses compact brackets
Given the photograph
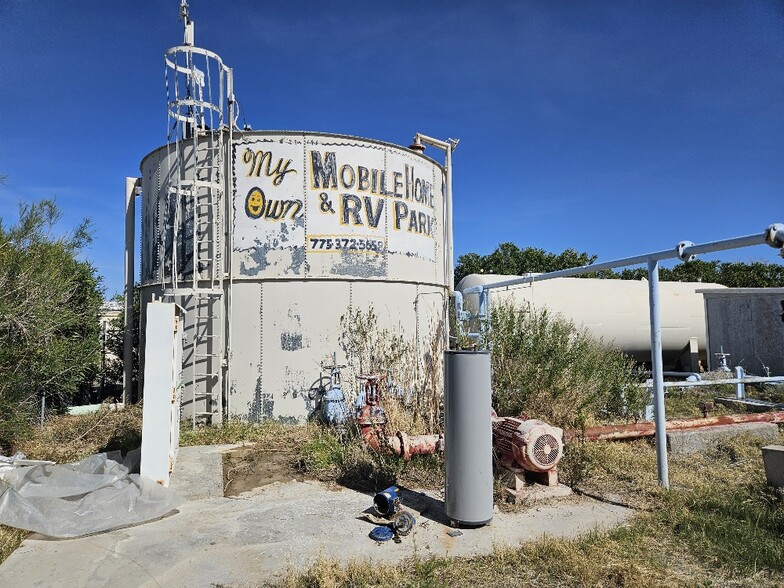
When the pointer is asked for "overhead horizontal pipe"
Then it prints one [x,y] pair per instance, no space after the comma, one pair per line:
[773,236]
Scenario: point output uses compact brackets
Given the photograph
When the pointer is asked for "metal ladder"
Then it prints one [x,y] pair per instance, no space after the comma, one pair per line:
[207,279]
[196,132]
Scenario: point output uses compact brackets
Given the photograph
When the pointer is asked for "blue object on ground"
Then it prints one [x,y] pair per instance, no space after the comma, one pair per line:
[381,534]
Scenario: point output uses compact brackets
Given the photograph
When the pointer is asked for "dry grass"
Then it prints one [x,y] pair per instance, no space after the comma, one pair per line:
[412,392]
[268,433]
[718,526]
[71,438]
[10,539]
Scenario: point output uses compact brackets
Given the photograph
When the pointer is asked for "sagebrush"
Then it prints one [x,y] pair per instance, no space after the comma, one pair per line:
[547,367]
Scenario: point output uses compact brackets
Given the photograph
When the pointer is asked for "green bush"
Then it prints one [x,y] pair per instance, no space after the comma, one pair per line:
[49,304]
[546,367]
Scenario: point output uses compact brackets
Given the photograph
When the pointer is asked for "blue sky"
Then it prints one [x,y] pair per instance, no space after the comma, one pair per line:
[612,127]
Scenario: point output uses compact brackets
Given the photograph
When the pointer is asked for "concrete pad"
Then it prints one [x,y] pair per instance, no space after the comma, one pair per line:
[696,440]
[773,458]
[257,537]
[198,471]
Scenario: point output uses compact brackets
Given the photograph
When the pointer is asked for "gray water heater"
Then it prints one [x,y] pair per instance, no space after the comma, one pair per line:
[468,437]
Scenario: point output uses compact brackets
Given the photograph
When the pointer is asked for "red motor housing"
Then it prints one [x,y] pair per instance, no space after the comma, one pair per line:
[529,444]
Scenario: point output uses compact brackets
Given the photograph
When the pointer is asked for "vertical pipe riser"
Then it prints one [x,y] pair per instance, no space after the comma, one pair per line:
[658,376]
[131,185]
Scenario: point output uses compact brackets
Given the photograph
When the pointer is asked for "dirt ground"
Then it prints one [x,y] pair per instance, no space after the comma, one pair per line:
[251,466]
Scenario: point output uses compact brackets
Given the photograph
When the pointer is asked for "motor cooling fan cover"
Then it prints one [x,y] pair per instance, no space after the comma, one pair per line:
[542,447]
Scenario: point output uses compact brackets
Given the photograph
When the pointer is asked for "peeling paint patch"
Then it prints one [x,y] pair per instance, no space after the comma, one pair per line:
[268,255]
[359,265]
[257,255]
[262,406]
[297,260]
[290,341]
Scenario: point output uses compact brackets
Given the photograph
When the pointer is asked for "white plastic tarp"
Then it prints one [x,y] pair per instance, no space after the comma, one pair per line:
[89,496]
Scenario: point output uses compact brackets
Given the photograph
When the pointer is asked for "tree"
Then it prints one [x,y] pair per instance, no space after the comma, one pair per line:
[511,260]
[49,305]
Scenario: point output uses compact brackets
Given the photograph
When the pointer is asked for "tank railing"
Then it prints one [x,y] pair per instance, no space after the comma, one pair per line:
[685,250]
[197,107]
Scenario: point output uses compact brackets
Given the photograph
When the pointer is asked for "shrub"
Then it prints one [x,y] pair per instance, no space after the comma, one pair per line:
[49,304]
[546,367]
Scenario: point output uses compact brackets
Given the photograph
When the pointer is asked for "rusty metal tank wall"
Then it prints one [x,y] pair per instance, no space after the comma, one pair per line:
[314,225]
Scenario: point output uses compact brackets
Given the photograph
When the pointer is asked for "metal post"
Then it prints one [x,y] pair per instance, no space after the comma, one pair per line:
[740,387]
[658,376]
[450,277]
[131,185]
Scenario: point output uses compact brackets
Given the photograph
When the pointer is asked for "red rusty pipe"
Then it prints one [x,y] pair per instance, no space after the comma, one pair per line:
[633,431]
[407,445]
[403,445]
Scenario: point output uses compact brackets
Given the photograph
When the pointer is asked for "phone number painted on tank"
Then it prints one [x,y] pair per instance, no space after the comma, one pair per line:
[342,243]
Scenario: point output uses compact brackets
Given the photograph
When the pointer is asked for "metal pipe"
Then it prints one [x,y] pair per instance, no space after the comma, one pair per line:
[658,377]
[724,244]
[670,374]
[636,430]
[773,236]
[745,380]
[132,186]
[740,386]
[401,444]
[449,269]
[450,236]
[230,240]
[685,250]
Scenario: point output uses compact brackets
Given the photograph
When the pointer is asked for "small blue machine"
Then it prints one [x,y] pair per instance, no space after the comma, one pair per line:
[387,504]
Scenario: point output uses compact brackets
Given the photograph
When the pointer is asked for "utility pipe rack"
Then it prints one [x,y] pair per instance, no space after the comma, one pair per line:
[685,251]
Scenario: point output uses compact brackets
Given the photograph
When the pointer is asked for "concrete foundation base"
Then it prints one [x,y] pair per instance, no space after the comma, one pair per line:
[524,486]
[773,458]
[696,440]
[537,493]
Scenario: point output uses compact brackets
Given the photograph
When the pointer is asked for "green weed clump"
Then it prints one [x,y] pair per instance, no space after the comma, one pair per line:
[547,367]
[349,462]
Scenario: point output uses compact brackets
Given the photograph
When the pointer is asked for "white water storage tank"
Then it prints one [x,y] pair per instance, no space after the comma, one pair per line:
[306,227]
[616,311]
